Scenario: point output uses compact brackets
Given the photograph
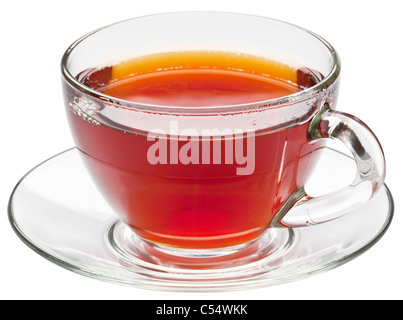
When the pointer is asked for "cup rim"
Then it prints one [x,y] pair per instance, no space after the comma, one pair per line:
[299,96]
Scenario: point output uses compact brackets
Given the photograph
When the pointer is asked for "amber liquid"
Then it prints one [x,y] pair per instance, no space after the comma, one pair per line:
[195,205]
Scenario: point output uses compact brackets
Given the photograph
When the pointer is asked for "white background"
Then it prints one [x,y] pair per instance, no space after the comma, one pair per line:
[34,35]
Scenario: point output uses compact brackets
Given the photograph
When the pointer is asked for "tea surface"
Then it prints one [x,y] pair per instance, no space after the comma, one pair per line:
[197,78]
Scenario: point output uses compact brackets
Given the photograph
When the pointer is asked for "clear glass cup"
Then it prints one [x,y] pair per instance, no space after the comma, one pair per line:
[229,209]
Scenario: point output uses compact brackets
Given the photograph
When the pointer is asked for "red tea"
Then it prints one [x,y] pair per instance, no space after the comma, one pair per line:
[196,203]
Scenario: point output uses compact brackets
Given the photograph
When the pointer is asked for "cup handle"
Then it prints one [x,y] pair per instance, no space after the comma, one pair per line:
[303,210]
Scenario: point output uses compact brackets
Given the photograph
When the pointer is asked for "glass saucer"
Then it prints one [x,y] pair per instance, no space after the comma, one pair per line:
[58,212]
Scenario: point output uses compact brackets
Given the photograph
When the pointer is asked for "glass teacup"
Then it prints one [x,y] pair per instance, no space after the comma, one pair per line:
[211,179]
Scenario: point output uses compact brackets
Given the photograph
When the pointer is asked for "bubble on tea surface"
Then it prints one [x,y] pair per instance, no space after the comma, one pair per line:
[85,108]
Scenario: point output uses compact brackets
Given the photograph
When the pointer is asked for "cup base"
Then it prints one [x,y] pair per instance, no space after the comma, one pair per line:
[58,212]
[123,242]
